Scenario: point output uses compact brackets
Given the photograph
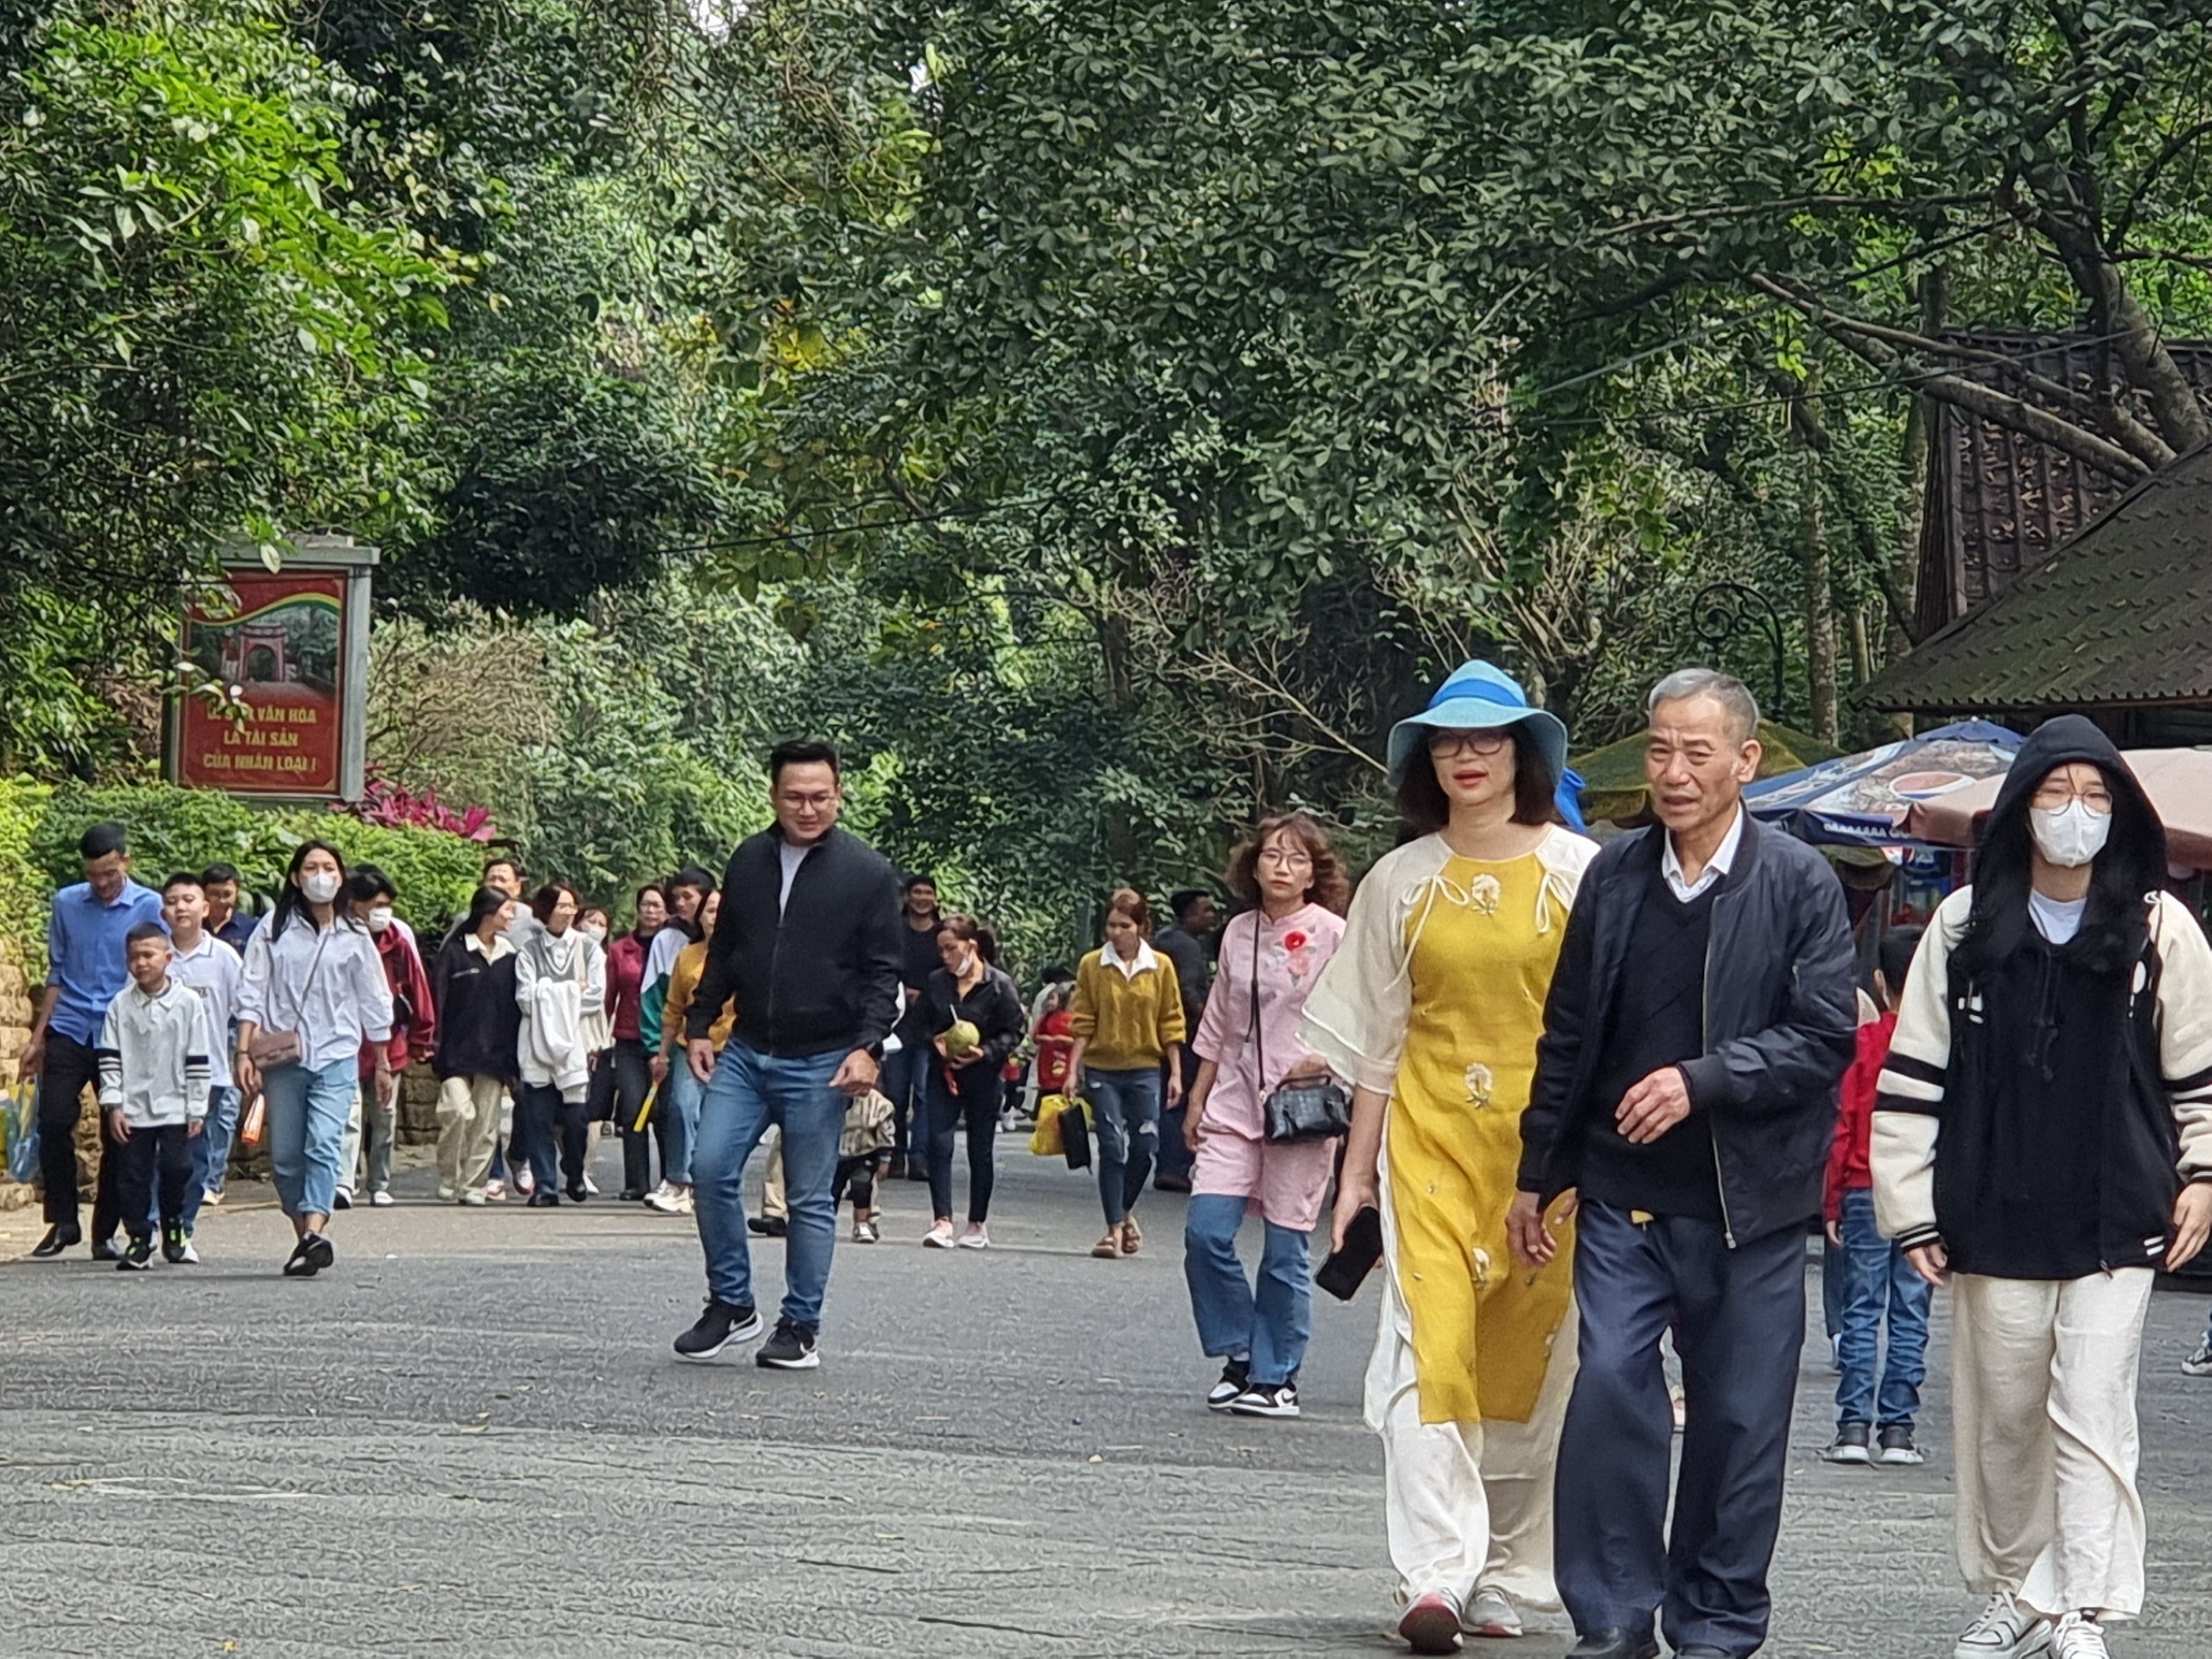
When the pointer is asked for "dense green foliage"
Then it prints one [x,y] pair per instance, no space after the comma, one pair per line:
[1105,420]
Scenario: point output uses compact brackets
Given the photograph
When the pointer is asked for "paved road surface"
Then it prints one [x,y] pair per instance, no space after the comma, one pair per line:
[471,1438]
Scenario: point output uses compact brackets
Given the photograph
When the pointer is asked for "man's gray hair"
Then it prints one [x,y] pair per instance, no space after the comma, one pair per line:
[1731,693]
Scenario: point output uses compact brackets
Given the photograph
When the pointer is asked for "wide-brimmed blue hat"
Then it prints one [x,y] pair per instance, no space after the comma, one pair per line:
[1479,697]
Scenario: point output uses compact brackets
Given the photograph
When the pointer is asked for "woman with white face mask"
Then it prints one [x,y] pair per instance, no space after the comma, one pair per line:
[967,997]
[375,1123]
[312,994]
[2041,1143]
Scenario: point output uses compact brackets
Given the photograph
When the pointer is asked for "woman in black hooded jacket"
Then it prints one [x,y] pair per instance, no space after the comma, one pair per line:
[2043,1143]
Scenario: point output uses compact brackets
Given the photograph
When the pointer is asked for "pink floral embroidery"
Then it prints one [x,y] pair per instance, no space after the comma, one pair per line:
[1294,941]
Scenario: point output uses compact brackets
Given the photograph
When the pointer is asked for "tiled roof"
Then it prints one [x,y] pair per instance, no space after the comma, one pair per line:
[2121,614]
[1999,503]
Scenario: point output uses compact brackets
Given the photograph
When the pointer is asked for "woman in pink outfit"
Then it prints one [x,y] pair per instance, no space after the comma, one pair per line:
[1248,1046]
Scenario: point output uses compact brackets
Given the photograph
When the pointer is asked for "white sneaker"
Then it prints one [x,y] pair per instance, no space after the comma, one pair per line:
[2007,1631]
[2200,1363]
[663,1198]
[591,1186]
[191,1257]
[977,1238]
[525,1183]
[211,1195]
[380,1200]
[864,1232]
[683,1201]
[495,1191]
[1491,1614]
[2079,1637]
[447,1195]
[938,1238]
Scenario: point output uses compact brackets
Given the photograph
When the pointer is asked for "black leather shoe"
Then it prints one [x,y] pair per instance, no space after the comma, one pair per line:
[107,1249]
[58,1238]
[545,1200]
[577,1194]
[766,1226]
[633,1195]
[1616,1644]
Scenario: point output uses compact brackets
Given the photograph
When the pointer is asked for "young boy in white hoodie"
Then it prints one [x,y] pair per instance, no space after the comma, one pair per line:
[153,1052]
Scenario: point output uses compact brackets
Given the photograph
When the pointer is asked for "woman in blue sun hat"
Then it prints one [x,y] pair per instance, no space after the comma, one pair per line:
[1432,1008]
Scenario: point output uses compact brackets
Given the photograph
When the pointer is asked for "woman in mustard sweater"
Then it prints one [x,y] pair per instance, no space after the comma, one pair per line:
[1127,1021]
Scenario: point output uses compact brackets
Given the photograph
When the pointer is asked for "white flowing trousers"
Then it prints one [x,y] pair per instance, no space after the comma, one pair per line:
[2043,1375]
[1467,1506]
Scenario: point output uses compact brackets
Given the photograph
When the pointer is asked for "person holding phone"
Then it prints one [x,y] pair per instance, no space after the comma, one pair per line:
[1432,1008]
[1247,1045]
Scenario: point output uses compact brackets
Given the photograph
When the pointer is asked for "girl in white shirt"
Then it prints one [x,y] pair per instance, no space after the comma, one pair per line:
[313,992]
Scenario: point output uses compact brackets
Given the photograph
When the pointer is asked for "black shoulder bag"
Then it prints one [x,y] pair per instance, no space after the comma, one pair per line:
[1316,1108]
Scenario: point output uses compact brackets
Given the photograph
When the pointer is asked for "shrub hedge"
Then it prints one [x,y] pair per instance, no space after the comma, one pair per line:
[173,828]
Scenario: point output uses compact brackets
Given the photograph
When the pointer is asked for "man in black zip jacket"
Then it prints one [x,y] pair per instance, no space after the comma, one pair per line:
[808,948]
[1700,1019]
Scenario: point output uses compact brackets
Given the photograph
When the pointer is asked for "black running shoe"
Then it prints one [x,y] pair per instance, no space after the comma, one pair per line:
[173,1242]
[106,1249]
[137,1257]
[58,1238]
[718,1327]
[318,1251]
[299,1264]
[792,1349]
[576,1193]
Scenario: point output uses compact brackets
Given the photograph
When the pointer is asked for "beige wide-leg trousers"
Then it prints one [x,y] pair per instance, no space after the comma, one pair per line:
[2044,1377]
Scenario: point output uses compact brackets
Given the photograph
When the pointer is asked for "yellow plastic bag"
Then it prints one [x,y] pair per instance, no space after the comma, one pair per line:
[1044,1139]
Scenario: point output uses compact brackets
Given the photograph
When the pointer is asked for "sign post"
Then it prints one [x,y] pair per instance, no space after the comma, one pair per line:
[289,651]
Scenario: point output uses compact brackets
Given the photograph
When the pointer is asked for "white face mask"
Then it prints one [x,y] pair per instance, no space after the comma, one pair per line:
[379,917]
[2070,837]
[594,932]
[321,887]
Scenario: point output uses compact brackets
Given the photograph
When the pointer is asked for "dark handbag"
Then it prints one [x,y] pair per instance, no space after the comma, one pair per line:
[1075,1135]
[1346,1270]
[1318,1109]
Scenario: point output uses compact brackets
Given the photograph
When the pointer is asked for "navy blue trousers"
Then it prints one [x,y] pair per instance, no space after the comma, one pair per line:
[1738,1318]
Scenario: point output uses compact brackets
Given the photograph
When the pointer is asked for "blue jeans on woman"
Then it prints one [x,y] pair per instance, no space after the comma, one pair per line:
[1125,1106]
[1267,1326]
[305,1113]
[680,1097]
[1880,1281]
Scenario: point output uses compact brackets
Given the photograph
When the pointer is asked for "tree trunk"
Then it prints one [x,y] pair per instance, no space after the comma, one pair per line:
[1820,607]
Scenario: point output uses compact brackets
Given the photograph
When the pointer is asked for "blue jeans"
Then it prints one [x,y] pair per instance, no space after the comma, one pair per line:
[1267,1326]
[751,1091]
[212,1151]
[1739,1319]
[1174,1156]
[306,1115]
[681,1095]
[1880,1281]
[1126,1107]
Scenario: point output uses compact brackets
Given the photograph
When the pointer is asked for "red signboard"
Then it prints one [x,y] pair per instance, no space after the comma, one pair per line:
[279,655]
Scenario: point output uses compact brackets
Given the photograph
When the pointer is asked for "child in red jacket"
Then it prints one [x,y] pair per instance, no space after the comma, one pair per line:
[1876,1401]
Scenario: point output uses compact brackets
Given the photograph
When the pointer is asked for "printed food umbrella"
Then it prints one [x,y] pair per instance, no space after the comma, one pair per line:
[1861,800]
[2178,782]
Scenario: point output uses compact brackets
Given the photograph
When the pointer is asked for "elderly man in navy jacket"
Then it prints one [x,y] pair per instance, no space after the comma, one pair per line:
[1701,1016]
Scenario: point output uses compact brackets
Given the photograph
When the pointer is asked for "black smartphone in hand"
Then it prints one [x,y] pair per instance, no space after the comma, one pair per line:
[1346,1270]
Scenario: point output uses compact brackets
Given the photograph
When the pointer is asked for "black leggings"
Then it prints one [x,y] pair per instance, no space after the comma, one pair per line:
[620,1083]
[979,1107]
[857,1176]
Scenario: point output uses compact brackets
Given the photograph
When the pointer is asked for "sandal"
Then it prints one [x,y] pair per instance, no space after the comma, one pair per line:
[1109,1248]
[1132,1240]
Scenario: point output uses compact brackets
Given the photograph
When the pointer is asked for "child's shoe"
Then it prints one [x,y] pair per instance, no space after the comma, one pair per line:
[137,1257]
[174,1247]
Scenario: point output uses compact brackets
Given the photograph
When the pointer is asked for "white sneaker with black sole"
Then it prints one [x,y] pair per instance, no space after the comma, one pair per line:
[2004,1631]
[719,1327]
[792,1349]
[1275,1399]
[2200,1363]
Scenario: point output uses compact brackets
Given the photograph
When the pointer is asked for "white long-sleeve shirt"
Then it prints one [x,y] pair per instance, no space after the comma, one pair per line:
[153,1053]
[334,1007]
